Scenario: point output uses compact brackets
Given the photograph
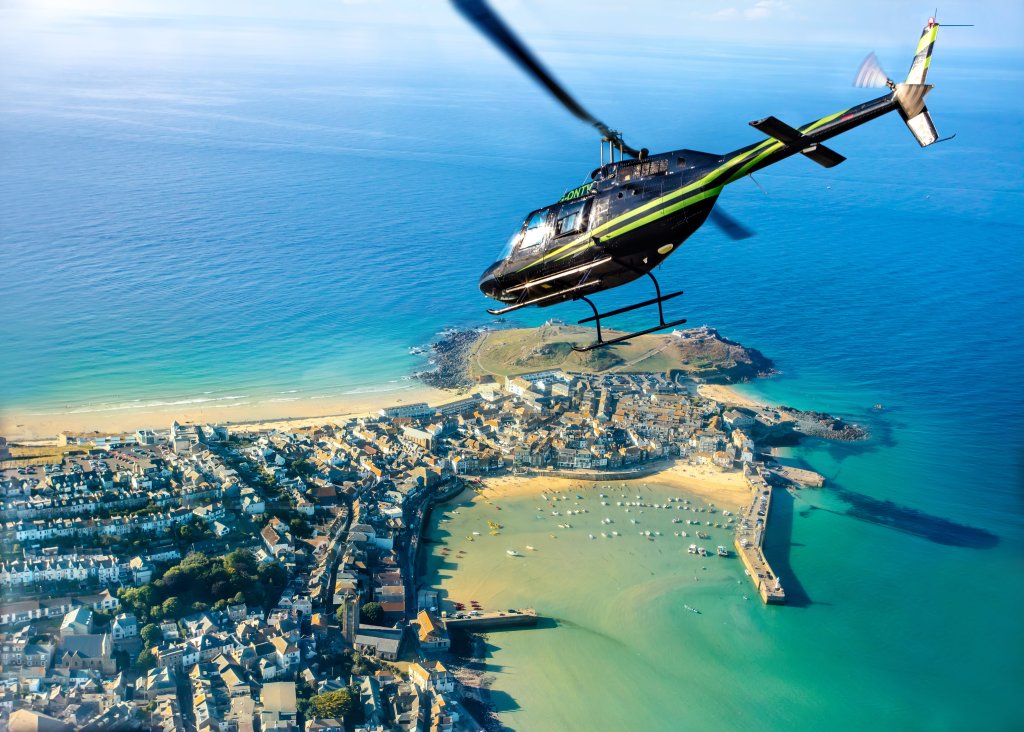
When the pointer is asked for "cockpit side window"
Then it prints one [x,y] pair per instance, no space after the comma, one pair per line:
[570,219]
[513,241]
[538,231]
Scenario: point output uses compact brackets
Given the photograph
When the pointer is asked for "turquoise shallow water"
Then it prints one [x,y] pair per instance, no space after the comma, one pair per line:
[871,612]
[231,231]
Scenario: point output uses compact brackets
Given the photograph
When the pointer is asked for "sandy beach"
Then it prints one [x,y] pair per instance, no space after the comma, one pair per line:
[260,414]
[256,415]
[728,395]
[724,488]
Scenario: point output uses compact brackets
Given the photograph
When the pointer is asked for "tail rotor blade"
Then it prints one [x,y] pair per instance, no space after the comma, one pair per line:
[480,14]
[870,75]
[729,226]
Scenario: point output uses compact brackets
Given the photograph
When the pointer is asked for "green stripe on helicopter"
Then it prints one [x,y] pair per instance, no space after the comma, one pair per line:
[761,151]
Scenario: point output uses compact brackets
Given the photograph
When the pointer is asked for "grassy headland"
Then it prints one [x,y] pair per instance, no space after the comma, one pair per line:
[698,352]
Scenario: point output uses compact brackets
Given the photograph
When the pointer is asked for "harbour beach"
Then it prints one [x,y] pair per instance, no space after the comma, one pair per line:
[726,488]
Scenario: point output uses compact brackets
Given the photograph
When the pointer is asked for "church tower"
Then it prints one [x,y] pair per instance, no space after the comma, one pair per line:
[348,614]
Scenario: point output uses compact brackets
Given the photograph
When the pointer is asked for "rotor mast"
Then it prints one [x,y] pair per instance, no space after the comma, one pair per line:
[614,140]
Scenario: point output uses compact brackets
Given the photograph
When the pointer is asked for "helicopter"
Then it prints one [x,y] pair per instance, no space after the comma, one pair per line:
[637,208]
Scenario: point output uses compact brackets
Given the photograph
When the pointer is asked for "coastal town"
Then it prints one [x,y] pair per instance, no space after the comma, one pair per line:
[225,578]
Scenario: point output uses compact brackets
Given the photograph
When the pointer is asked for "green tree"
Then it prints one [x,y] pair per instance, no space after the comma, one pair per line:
[299,528]
[175,580]
[333,705]
[267,481]
[172,607]
[241,561]
[303,468]
[145,660]
[140,599]
[151,634]
[371,613]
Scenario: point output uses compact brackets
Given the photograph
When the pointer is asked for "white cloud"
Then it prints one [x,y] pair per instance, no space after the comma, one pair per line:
[764,8]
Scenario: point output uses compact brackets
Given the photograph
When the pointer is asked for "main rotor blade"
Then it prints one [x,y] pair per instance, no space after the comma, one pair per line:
[480,14]
[729,226]
[870,74]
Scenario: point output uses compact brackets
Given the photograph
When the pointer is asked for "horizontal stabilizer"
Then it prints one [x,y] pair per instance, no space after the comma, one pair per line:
[824,156]
[776,128]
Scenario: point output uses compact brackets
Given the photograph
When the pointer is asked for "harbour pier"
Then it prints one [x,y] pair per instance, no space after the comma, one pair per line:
[493,619]
[749,540]
[800,476]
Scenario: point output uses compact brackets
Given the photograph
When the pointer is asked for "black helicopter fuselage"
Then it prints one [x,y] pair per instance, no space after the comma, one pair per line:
[632,214]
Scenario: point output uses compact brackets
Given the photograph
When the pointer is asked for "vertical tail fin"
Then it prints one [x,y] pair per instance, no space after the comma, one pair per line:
[910,94]
[923,57]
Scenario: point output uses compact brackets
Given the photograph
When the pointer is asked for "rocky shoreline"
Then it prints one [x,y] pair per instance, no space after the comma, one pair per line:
[825,426]
[450,357]
[715,359]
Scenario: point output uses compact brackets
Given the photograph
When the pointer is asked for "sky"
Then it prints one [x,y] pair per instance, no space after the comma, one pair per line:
[66,32]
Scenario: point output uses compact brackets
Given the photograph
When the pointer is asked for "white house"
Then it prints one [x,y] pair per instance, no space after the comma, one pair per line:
[124,626]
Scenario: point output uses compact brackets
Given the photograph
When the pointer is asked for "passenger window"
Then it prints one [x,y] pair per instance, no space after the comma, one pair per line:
[570,220]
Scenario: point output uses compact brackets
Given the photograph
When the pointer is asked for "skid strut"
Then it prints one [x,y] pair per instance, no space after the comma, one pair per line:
[596,317]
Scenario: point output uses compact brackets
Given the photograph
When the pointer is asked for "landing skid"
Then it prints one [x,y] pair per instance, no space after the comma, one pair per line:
[596,318]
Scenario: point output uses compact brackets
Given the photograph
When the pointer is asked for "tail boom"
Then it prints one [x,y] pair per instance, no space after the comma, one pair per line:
[907,98]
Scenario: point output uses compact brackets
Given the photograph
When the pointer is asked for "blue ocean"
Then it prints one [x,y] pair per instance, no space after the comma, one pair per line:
[229,232]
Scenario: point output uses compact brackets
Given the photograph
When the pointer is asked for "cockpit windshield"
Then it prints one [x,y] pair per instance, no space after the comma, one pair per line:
[548,223]
[538,230]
